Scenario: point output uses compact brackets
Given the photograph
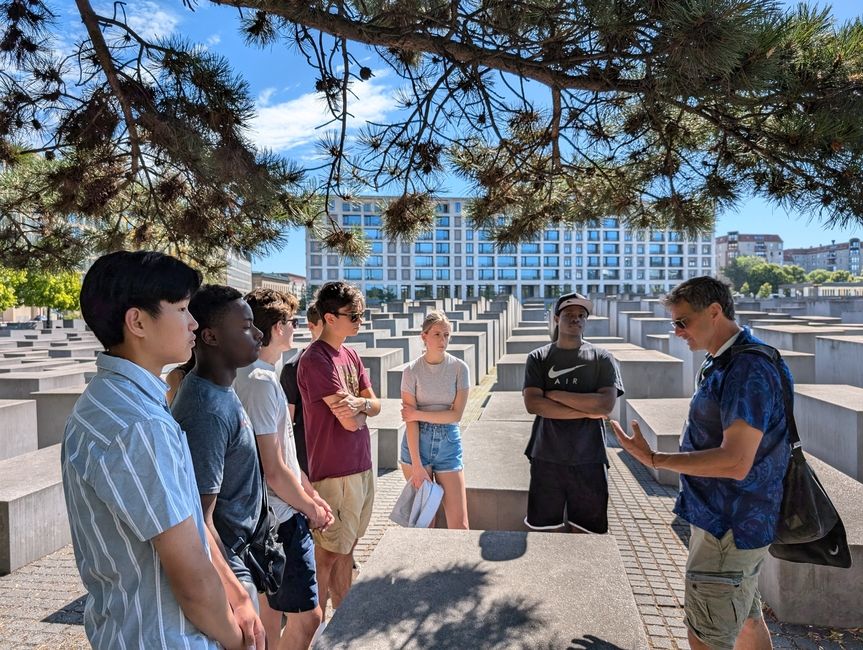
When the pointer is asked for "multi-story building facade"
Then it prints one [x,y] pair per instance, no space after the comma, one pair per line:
[238,272]
[454,260]
[284,282]
[736,244]
[844,256]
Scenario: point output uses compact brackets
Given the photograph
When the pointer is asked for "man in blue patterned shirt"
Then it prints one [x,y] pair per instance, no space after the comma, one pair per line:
[138,532]
[733,456]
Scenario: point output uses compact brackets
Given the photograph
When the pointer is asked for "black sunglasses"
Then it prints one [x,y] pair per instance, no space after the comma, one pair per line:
[293,322]
[680,323]
[354,315]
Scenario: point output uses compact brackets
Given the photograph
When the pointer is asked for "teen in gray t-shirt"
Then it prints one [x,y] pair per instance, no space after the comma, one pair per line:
[223,452]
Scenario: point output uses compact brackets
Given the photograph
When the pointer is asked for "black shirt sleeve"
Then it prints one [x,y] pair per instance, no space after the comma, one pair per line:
[609,372]
[533,371]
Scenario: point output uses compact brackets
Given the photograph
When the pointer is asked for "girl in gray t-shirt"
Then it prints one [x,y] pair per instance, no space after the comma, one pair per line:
[434,394]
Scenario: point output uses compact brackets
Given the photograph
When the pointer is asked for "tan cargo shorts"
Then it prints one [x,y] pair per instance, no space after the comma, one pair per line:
[721,587]
[351,498]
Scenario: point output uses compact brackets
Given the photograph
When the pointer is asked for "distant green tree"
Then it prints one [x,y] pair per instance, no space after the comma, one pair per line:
[744,289]
[765,290]
[10,281]
[58,291]
[798,273]
[818,276]
[841,276]
[738,269]
[772,274]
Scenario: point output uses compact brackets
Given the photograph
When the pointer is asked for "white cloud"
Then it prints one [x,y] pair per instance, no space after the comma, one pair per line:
[264,97]
[150,20]
[295,123]
[214,39]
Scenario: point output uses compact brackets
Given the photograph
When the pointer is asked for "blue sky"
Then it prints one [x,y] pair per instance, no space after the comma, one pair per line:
[289,115]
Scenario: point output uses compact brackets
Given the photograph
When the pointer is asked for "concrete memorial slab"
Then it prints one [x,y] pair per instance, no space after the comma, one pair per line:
[33,521]
[54,407]
[510,372]
[801,365]
[377,362]
[391,430]
[394,381]
[617,306]
[19,385]
[830,420]
[497,474]
[839,359]
[597,326]
[661,422]
[818,595]
[657,342]
[624,319]
[505,406]
[478,341]
[647,374]
[468,354]
[640,328]
[800,338]
[525,344]
[18,426]
[692,360]
[478,589]
[492,352]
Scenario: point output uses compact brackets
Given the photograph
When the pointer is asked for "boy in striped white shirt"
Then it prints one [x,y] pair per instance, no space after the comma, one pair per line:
[140,542]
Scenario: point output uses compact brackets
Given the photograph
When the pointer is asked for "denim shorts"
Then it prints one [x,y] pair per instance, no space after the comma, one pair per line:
[299,590]
[440,447]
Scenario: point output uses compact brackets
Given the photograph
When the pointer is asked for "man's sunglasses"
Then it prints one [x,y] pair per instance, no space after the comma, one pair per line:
[354,315]
[680,323]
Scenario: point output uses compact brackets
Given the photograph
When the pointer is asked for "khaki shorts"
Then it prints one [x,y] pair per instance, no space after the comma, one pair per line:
[721,587]
[351,498]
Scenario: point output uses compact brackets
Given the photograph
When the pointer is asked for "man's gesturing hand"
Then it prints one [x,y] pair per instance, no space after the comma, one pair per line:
[635,444]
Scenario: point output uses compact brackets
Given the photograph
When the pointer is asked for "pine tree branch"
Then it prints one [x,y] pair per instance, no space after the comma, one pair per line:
[103,55]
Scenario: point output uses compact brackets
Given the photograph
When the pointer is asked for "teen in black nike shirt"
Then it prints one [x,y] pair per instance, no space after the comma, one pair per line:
[570,386]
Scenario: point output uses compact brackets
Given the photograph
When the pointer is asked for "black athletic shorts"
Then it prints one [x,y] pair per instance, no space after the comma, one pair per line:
[561,494]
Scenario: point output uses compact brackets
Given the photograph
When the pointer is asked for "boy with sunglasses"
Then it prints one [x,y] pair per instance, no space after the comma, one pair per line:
[337,398]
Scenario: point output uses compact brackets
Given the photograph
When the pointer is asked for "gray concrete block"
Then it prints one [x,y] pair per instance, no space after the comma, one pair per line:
[640,328]
[468,354]
[53,408]
[506,406]
[661,422]
[692,360]
[17,428]
[624,319]
[394,381]
[33,521]
[488,589]
[497,474]
[411,346]
[486,327]
[830,420]
[377,362]
[647,374]
[597,326]
[801,365]
[839,360]
[479,341]
[19,385]
[800,338]
[617,306]
[510,372]
[818,595]
[525,344]
[657,342]
[391,430]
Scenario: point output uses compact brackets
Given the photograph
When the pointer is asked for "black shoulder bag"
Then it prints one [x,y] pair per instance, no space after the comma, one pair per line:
[263,555]
[809,529]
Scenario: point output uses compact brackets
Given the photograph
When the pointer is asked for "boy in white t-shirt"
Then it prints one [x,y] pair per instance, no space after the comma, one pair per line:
[292,497]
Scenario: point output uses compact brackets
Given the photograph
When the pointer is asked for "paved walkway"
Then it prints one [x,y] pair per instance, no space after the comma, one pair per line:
[41,604]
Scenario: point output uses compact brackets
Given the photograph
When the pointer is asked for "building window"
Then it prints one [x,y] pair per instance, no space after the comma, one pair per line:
[441,235]
[612,235]
[375,260]
[530,247]
[372,220]
[705,249]
[552,235]
[332,260]
[487,249]
[485,262]
[353,274]
[374,274]
[443,222]
[593,249]
[424,260]
[612,261]
[391,274]
[692,249]
[550,248]
[657,249]
[610,249]
[551,260]
[675,249]
[550,274]
[530,274]
[406,274]
[593,260]
[442,274]
[315,260]
[486,274]
[442,260]
[579,274]
[406,260]
[567,249]
[332,274]
[530,260]
[424,274]
[657,235]
[506,260]
[316,274]
[442,247]
[676,262]
[315,246]
[352,220]
[506,274]
[423,247]
[592,235]
[657,262]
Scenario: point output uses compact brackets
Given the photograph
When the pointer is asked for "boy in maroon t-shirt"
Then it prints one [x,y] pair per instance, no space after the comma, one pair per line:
[337,397]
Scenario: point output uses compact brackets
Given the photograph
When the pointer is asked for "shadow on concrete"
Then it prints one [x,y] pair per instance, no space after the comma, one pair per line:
[71,614]
[447,608]
[501,548]
[591,642]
